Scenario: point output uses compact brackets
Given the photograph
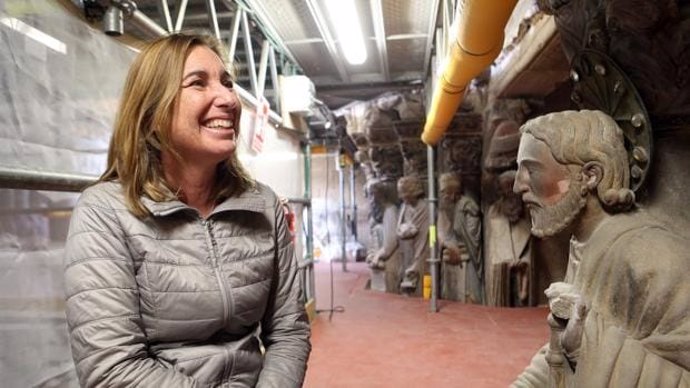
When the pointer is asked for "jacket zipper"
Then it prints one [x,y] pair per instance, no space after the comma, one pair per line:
[214,264]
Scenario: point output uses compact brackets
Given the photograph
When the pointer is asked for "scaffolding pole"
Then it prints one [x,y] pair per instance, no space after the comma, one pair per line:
[16,178]
[343,223]
[433,243]
[353,202]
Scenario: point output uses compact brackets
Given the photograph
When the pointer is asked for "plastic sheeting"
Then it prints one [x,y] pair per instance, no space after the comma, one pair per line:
[60,81]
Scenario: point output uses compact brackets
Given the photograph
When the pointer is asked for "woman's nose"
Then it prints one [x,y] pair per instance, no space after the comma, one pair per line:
[225,96]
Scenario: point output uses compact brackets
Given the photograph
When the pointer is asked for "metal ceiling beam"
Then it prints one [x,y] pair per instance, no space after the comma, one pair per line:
[267,28]
[347,88]
[235,34]
[406,36]
[274,76]
[200,17]
[144,22]
[163,7]
[380,32]
[263,67]
[328,40]
[430,36]
[213,17]
[250,53]
[182,9]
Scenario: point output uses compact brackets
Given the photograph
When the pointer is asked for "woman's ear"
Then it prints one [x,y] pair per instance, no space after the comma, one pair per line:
[592,173]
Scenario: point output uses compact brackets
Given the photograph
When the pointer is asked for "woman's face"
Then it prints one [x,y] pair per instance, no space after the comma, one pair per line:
[206,117]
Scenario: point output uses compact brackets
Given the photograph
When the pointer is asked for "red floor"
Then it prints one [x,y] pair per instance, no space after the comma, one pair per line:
[383,340]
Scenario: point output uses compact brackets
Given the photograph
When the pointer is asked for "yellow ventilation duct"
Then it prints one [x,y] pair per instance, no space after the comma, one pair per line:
[478,42]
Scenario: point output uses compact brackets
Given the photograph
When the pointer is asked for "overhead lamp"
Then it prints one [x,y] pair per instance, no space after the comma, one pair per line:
[348,30]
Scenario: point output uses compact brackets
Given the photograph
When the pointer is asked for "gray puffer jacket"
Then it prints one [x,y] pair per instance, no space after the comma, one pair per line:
[173,300]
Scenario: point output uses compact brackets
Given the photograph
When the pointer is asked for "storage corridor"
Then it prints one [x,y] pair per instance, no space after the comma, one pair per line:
[385,340]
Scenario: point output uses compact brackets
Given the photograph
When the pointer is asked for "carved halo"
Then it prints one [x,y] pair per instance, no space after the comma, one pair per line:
[598,83]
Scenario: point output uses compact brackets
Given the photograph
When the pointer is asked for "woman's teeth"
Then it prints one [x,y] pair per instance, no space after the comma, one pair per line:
[220,124]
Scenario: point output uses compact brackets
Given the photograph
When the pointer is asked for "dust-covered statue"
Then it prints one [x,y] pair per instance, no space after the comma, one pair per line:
[508,247]
[460,231]
[413,232]
[621,317]
[385,255]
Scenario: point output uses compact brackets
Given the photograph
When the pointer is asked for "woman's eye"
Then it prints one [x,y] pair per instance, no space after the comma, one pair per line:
[196,83]
[228,84]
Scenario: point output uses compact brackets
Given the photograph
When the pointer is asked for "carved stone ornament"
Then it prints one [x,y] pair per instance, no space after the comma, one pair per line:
[598,83]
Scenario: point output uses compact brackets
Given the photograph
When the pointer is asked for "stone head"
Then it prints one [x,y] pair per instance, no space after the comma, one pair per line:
[410,189]
[449,188]
[382,191]
[503,146]
[564,158]
[511,205]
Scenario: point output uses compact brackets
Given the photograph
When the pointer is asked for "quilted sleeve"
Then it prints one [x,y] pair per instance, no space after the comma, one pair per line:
[285,328]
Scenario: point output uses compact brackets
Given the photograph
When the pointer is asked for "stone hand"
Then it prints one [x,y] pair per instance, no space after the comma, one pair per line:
[571,339]
[570,310]
[376,261]
[451,255]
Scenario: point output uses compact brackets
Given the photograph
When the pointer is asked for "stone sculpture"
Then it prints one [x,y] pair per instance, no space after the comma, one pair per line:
[620,319]
[508,247]
[460,231]
[385,256]
[413,232]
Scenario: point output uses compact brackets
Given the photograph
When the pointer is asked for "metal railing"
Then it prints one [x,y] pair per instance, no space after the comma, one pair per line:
[17,178]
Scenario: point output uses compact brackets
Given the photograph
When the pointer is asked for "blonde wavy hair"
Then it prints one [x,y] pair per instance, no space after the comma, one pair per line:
[144,120]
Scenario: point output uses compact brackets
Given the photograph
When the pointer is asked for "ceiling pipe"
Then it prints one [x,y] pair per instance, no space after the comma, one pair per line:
[479,40]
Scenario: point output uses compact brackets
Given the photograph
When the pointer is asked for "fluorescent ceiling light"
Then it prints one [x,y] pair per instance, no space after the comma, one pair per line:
[348,30]
[37,35]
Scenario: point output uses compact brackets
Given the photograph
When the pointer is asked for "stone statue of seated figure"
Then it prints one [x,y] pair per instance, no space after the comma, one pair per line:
[621,318]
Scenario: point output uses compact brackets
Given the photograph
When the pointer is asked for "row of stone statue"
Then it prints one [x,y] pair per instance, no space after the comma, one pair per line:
[401,249]
[620,317]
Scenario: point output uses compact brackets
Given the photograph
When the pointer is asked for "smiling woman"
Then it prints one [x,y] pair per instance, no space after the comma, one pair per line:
[179,267]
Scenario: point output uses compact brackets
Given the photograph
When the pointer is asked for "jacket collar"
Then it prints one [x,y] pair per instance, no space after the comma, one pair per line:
[251,200]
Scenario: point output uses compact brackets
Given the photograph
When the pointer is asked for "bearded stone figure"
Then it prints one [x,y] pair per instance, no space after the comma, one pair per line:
[413,233]
[385,255]
[508,247]
[621,318]
[460,230]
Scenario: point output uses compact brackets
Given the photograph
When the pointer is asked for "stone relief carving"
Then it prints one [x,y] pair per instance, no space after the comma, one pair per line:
[415,157]
[648,39]
[386,161]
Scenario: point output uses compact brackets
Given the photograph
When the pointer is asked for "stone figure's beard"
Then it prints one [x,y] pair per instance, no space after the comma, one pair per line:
[548,221]
[511,207]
